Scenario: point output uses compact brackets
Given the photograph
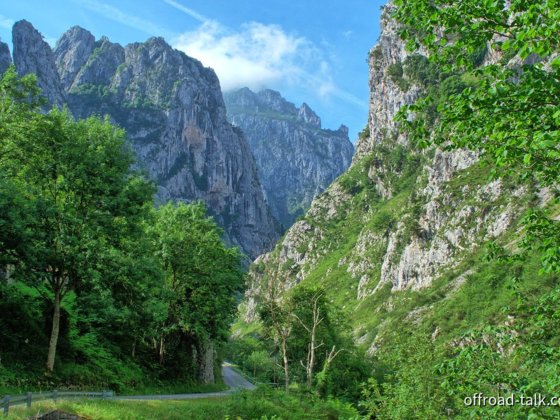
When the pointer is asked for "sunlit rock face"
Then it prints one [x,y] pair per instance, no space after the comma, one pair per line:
[296,158]
[172,109]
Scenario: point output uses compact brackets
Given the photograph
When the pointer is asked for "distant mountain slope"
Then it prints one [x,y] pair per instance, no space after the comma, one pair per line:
[296,158]
[399,238]
[173,111]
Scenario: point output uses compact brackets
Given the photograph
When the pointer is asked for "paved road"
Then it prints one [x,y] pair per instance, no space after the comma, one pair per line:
[231,378]
[234,380]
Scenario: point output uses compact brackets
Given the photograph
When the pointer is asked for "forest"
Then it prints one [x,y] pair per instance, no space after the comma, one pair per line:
[101,287]
[108,290]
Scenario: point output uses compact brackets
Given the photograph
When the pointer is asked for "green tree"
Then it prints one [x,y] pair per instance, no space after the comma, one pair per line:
[278,324]
[202,277]
[513,115]
[76,179]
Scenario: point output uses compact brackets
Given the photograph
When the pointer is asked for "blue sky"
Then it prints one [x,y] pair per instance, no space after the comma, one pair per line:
[312,51]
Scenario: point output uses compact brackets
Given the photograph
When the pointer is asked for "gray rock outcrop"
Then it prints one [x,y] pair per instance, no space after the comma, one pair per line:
[172,109]
[5,57]
[296,159]
[33,55]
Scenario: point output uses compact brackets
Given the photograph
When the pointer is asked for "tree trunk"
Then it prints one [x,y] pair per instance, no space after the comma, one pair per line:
[285,357]
[206,362]
[161,350]
[134,349]
[54,332]
[311,359]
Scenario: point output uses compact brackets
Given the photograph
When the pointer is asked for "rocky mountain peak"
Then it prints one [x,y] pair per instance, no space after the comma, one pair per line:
[343,130]
[308,116]
[32,54]
[5,57]
[272,100]
[71,52]
[295,158]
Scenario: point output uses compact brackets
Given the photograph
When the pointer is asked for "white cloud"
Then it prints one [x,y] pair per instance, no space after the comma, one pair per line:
[6,23]
[259,56]
[256,56]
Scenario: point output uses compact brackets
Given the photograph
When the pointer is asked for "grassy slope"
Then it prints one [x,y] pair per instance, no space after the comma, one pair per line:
[450,307]
[260,404]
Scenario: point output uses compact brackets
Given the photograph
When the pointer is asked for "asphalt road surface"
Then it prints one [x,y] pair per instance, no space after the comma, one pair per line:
[231,378]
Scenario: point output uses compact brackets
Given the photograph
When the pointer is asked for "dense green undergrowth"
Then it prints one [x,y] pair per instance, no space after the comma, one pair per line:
[260,404]
[99,288]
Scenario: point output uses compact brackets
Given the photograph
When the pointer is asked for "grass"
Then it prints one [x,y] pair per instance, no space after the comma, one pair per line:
[175,388]
[261,404]
[160,388]
[210,408]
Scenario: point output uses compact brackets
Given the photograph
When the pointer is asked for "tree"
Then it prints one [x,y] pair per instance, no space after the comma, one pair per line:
[278,324]
[311,325]
[277,318]
[202,276]
[77,182]
[513,115]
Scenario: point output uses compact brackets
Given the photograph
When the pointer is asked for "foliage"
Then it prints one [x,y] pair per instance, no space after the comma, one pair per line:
[261,404]
[496,335]
[88,268]
[511,115]
[202,277]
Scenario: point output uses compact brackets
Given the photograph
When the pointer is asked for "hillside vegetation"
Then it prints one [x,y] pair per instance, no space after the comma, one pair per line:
[438,249]
[100,289]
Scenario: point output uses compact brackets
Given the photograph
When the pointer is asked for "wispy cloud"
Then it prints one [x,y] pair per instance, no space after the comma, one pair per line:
[322,83]
[192,13]
[256,56]
[348,34]
[113,13]
[259,55]
[5,22]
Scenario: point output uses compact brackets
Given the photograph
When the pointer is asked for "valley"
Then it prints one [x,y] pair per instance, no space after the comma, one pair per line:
[153,226]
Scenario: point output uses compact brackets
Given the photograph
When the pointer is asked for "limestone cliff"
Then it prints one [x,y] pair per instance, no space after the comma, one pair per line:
[399,219]
[173,112]
[296,159]
[5,57]
[32,54]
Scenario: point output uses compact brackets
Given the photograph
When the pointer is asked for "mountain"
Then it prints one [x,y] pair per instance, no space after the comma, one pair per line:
[399,239]
[296,158]
[172,109]
[5,57]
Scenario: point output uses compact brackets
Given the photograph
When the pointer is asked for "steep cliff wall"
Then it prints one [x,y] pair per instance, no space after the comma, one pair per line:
[173,111]
[33,55]
[296,159]
[402,224]
[5,57]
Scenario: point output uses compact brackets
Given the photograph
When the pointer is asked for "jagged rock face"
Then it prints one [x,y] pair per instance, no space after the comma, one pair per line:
[33,55]
[399,218]
[5,57]
[296,159]
[173,112]
[74,49]
[386,98]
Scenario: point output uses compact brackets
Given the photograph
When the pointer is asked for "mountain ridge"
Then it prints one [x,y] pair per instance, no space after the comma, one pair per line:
[296,158]
[402,224]
[172,109]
